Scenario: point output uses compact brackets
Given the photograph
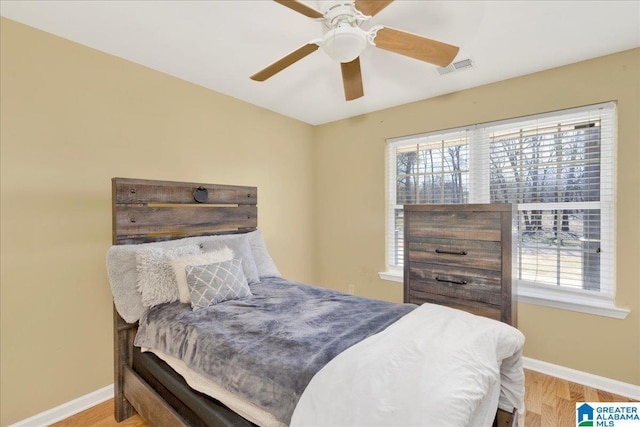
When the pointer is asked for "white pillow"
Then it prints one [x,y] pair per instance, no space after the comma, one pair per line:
[241,248]
[261,257]
[156,281]
[264,263]
[179,264]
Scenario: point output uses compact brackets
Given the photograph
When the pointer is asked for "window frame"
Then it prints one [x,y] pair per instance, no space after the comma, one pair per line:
[594,302]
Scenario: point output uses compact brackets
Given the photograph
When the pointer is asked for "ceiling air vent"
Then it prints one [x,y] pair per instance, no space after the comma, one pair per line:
[464,64]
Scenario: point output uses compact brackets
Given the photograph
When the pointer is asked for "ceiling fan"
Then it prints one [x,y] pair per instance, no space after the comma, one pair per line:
[344,40]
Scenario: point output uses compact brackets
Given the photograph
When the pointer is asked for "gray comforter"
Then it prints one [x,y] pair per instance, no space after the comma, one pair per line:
[266,348]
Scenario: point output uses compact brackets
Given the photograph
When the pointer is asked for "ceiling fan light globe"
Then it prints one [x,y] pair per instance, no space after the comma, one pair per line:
[345,43]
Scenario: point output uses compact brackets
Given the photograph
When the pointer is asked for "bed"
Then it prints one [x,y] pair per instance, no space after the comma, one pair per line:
[275,352]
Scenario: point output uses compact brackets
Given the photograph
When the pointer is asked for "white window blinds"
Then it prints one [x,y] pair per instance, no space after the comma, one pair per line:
[427,169]
[558,169]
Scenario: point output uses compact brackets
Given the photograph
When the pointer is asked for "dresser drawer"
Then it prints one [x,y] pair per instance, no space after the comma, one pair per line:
[460,225]
[461,253]
[463,283]
[481,309]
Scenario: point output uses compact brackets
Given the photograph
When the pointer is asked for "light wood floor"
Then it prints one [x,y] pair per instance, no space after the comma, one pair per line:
[549,401]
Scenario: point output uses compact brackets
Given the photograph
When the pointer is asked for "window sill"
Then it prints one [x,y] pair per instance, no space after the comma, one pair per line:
[393,276]
[549,296]
[570,299]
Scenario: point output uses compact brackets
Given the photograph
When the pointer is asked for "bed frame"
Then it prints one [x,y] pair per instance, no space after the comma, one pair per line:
[150,211]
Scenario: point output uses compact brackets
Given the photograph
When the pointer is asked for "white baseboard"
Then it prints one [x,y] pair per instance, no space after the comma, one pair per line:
[595,381]
[89,400]
[68,409]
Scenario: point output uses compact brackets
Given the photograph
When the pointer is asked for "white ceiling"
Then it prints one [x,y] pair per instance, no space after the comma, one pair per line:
[219,44]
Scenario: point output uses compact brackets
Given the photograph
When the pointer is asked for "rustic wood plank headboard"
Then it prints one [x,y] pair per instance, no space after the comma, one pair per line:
[149,210]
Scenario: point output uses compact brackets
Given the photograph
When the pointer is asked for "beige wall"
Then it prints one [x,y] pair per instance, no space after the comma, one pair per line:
[71,119]
[350,201]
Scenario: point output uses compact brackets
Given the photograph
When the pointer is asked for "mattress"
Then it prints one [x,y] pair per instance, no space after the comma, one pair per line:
[209,387]
[197,409]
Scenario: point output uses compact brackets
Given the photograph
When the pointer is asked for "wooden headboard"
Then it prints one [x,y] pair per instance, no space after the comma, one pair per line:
[150,211]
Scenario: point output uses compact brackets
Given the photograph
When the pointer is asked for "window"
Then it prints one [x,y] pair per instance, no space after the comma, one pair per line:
[558,169]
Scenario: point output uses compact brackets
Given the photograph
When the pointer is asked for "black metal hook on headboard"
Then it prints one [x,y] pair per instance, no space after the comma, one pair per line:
[200,194]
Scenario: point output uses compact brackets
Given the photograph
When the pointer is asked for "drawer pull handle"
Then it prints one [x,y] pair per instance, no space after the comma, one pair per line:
[442,251]
[455,282]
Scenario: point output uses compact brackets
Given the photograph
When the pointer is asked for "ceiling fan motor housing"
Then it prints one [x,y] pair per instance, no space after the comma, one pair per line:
[343,40]
[344,43]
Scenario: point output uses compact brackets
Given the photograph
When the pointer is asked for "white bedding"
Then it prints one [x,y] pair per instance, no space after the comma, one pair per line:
[435,366]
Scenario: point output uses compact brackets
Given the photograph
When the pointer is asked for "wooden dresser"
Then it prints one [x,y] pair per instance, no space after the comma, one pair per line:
[460,256]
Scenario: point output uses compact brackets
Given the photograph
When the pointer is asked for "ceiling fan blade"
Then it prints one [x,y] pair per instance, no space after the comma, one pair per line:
[415,46]
[284,62]
[352,79]
[371,7]
[300,8]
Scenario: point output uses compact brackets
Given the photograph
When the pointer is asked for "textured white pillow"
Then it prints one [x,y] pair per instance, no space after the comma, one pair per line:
[179,264]
[156,281]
